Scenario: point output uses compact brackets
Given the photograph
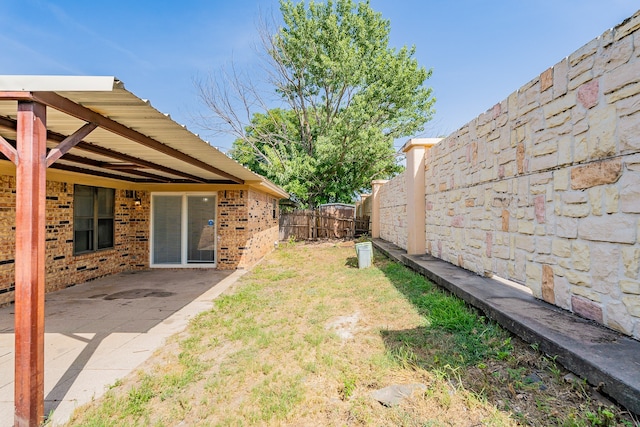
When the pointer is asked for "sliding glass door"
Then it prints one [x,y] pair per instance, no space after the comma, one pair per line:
[183,231]
[167,217]
[201,229]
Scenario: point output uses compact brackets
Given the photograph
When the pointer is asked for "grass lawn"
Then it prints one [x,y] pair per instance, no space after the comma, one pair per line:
[304,338]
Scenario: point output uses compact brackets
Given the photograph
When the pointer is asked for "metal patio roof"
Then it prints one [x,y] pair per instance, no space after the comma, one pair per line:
[132,141]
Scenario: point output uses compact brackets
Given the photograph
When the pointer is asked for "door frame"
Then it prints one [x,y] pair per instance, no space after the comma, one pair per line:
[184,230]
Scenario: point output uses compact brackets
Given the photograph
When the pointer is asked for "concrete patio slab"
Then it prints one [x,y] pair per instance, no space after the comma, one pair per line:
[605,358]
[100,331]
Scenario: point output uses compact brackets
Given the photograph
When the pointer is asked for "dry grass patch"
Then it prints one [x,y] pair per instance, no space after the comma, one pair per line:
[305,338]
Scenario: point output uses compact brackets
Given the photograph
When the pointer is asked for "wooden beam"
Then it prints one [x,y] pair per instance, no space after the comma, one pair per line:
[99,164]
[29,267]
[97,173]
[16,95]
[119,166]
[8,150]
[91,148]
[151,176]
[69,142]
[67,106]
[95,149]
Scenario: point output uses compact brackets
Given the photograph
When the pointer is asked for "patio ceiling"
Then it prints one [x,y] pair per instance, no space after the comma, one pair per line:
[120,136]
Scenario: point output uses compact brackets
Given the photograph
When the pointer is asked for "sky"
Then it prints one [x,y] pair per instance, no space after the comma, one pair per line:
[479,51]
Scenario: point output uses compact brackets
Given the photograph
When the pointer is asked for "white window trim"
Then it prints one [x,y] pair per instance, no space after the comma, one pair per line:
[183,231]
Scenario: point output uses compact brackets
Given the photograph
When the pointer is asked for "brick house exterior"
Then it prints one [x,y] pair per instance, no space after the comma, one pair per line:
[95,181]
[247,227]
[141,160]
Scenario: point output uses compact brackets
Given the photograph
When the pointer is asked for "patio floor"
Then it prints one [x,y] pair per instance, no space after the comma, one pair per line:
[102,330]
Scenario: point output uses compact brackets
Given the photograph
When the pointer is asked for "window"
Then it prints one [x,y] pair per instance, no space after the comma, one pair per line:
[93,213]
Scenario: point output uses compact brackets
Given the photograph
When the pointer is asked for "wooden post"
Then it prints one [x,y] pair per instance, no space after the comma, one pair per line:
[314,230]
[29,266]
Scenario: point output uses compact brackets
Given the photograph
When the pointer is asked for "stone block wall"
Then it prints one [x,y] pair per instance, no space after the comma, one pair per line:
[544,188]
[364,206]
[393,211]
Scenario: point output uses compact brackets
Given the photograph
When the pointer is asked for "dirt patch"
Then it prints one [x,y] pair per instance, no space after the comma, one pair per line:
[344,326]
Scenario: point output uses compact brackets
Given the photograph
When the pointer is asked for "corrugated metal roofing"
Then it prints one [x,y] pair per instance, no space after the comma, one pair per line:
[137,114]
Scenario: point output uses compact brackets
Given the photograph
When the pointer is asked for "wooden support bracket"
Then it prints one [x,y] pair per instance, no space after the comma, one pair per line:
[69,142]
[8,150]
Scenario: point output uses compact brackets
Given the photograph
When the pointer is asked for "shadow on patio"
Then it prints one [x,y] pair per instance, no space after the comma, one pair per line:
[100,331]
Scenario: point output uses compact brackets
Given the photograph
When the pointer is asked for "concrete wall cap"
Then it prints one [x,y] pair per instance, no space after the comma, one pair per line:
[379,181]
[420,142]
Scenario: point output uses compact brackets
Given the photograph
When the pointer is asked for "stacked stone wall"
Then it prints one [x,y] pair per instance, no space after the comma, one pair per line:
[544,188]
[393,211]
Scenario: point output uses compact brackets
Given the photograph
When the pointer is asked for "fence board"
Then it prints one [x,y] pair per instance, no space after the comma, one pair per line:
[311,225]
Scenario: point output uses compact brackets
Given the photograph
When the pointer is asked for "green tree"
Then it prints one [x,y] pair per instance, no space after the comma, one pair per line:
[346,94]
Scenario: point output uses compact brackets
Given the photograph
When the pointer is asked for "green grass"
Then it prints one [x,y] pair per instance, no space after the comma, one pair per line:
[266,354]
[459,335]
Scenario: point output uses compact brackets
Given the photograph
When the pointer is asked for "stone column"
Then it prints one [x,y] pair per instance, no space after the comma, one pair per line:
[414,150]
[363,202]
[375,207]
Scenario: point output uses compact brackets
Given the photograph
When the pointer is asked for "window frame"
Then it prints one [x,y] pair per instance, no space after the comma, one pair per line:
[97,216]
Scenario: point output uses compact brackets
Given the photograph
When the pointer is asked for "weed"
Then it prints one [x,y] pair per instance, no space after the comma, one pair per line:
[138,396]
[348,387]
[553,367]
[277,395]
[603,417]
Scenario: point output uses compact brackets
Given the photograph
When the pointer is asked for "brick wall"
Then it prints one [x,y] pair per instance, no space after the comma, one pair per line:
[263,227]
[62,267]
[544,188]
[233,223]
[393,211]
[7,237]
[247,230]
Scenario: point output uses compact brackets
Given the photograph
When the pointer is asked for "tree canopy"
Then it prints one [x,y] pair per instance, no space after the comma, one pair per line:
[346,96]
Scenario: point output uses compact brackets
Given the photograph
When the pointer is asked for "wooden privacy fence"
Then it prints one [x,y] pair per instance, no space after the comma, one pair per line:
[311,225]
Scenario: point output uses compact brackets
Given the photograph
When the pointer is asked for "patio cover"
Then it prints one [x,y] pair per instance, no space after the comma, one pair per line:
[91,125]
[132,141]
